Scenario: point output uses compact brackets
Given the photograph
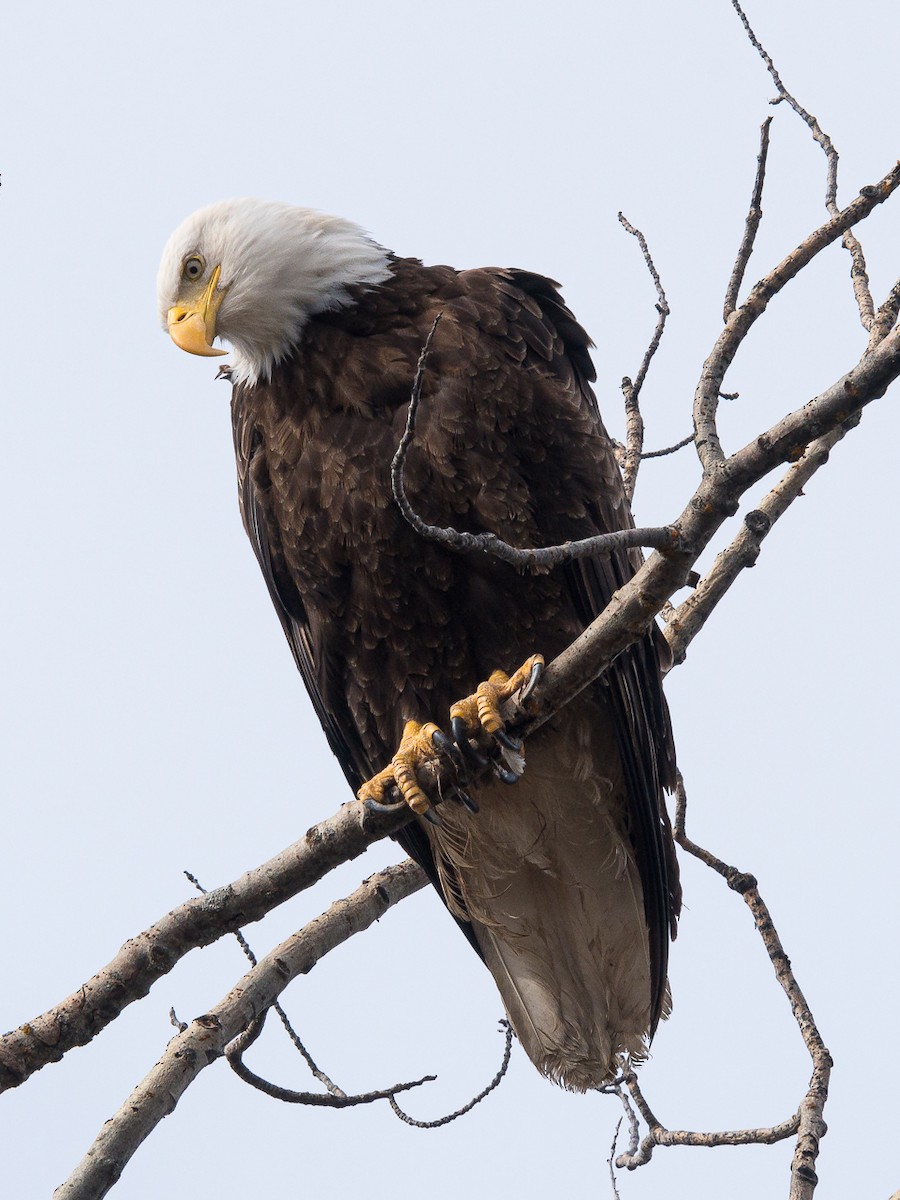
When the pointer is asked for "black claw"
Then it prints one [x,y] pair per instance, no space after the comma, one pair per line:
[431,816]
[461,734]
[446,745]
[536,672]
[510,743]
[466,800]
[503,773]
[377,806]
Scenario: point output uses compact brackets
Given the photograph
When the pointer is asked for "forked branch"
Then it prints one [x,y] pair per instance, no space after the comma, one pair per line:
[808,1122]
[207,1037]
[858,272]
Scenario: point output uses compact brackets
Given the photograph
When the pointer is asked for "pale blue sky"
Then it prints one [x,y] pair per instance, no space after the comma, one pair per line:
[152,717]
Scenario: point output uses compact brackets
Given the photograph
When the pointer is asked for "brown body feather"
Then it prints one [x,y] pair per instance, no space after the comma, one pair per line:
[567,883]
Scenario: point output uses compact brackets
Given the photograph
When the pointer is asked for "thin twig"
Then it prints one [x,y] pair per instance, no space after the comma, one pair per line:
[611,1161]
[543,558]
[685,622]
[810,1122]
[685,441]
[634,422]
[706,399]
[461,1112]
[858,272]
[334,1097]
[754,216]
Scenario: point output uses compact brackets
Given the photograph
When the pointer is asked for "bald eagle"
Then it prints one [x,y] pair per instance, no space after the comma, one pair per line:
[566,884]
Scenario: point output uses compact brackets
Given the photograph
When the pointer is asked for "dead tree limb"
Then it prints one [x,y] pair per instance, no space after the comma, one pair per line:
[751,225]
[738,325]
[858,272]
[207,1037]
[631,389]
[808,1122]
[145,958]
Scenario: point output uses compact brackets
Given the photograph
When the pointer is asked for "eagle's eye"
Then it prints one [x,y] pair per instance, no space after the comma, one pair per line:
[193,267]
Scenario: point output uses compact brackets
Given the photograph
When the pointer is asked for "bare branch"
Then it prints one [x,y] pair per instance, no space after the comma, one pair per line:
[634,422]
[810,1122]
[150,955]
[783,94]
[314,1069]
[685,622]
[858,272]
[207,1037]
[807,1122]
[754,216]
[634,438]
[630,612]
[706,398]
[658,1135]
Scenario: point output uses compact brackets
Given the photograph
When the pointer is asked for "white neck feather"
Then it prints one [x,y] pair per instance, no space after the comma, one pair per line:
[279,266]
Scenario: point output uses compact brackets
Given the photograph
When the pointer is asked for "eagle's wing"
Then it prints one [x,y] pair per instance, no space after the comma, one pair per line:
[254,487]
[329,700]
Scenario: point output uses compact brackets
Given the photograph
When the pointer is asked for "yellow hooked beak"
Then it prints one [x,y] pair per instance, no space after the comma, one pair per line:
[192,325]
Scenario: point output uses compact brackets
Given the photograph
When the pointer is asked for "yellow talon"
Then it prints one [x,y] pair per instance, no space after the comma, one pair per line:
[415,746]
[481,711]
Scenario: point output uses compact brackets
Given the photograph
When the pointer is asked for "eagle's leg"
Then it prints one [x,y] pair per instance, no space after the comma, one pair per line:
[480,712]
[418,744]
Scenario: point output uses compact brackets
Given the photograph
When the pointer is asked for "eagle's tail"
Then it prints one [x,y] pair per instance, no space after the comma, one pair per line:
[546,874]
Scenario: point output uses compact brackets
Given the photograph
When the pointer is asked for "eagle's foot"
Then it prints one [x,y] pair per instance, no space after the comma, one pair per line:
[418,744]
[480,712]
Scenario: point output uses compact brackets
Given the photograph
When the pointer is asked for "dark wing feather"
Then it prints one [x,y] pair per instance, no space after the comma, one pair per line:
[329,703]
[265,537]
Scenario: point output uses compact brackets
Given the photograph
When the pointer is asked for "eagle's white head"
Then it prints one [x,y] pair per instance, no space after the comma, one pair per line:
[252,272]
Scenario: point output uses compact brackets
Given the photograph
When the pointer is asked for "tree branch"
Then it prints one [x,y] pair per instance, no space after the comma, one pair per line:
[634,422]
[858,272]
[706,399]
[807,1123]
[809,1118]
[543,558]
[206,1038]
[332,1097]
[631,611]
[685,622]
[145,958]
[754,216]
